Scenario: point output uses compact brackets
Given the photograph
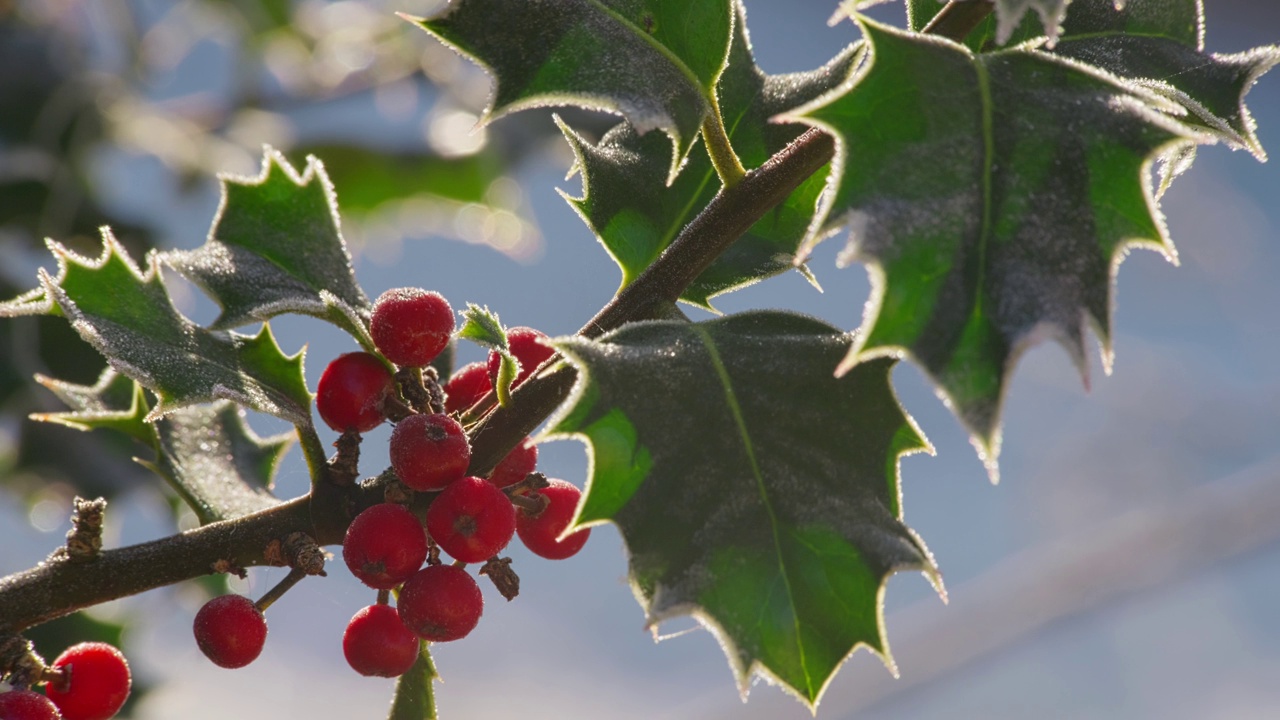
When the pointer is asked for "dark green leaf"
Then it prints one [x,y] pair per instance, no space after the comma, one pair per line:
[992,197]
[415,697]
[215,461]
[114,401]
[1160,45]
[655,62]
[1012,21]
[635,214]
[1179,20]
[128,317]
[276,246]
[755,489]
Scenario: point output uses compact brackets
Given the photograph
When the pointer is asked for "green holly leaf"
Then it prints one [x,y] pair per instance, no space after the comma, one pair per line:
[415,698]
[128,317]
[1159,44]
[634,213]
[992,197]
[216,462]
[481,326]
[757,491]
[275,247]
[32,302]
[655,62]
[1011,22]
[115,402]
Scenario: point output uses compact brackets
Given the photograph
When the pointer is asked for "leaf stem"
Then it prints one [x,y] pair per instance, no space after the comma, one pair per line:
[313,451]
[725,160]
[958,19]
[723,221]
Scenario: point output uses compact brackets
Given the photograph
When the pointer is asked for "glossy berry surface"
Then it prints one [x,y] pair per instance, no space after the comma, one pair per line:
[472,520]
[441,603]
[525,344]
[410,326]
[466,387]
[230,631]
[539,534]
[96,682]
[26,705]
[429,451]
[522,460]
[377,644]
[384,545]
[351,390]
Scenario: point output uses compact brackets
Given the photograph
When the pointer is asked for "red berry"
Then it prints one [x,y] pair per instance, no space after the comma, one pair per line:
[441,603]
[230,631]
[385,544]
[26,705]
[540,534]
[377,644]
[95,685]
[410,326]
[466,387]
[526,346]
[522,460]
[472,520]
[351,390]
[429,451]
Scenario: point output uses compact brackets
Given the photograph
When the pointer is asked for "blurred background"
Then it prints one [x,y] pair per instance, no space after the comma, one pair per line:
[1127,566]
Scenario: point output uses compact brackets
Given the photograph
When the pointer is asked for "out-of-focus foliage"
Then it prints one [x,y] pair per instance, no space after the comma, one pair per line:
[175,93]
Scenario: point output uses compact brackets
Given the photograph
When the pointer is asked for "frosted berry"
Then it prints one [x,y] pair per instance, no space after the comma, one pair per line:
[522,460]
[26,705]
[230,631]
[410,326]
[377,643]
[385,544]
[351,391]
[472,520]
[429,451]
[441,603]
[95,684]
[466,387]
[524,344]
[539,534]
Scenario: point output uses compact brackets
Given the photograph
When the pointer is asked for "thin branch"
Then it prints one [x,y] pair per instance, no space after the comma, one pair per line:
[726,218]
[958,19]
[59,587]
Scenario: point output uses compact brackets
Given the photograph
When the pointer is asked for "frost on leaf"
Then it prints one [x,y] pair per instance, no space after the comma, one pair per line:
[634,213]
[1159,45]
[276,247]
[1013,19]
[115,401]
[754,489]
[655,62]
[216,463]
[127,316]
[992,197]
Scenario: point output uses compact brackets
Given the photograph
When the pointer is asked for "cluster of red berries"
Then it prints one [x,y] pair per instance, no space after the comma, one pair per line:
[88,681]
[471,519]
